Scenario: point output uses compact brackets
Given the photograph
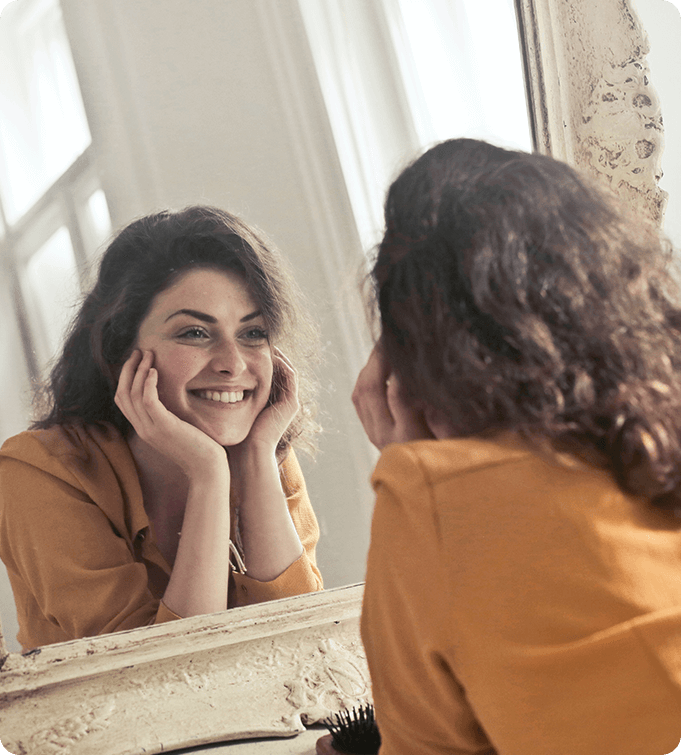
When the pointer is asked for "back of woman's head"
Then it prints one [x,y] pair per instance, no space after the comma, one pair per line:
[515,295]
[145,258]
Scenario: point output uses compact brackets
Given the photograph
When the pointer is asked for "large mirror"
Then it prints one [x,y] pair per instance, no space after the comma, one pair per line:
[171,99]
[293,114]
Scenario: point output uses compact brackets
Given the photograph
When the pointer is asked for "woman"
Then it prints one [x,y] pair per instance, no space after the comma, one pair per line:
[523,590]
[160,482]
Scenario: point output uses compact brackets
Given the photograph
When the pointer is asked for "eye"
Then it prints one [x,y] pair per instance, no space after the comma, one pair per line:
[193,334]
[256,334]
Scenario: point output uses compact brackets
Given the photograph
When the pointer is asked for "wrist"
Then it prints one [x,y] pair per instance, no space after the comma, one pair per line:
[208,465]
[252,452]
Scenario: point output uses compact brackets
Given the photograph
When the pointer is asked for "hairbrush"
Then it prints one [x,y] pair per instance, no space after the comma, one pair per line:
[355,731]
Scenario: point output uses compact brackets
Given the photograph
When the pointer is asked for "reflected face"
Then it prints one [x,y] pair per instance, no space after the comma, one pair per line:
[212,353]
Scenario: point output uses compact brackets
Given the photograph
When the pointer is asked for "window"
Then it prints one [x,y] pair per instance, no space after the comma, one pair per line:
[53,213]
[399,75]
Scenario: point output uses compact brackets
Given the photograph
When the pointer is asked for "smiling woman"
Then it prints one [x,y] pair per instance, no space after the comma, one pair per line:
[160,482]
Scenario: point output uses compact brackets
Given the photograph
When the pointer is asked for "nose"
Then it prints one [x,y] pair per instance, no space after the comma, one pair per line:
[228,359]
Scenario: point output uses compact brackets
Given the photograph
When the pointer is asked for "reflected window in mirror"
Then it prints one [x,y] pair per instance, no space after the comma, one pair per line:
[53,210]
[399,75]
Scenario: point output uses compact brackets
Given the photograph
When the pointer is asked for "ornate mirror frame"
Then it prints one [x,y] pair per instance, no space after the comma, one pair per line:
[268,669]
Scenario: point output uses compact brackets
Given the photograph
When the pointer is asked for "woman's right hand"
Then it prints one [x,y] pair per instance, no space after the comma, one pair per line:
[382,410]
[137,397]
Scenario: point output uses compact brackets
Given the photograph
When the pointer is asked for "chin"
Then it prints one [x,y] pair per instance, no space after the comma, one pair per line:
[227,439]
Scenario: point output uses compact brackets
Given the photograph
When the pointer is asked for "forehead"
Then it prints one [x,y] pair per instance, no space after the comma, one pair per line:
[205,288]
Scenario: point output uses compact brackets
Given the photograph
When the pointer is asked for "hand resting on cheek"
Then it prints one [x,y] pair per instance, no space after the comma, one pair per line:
[180,442]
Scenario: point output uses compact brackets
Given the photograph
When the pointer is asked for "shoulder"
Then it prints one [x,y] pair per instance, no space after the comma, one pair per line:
[497,478]
[66,448]
[436,461]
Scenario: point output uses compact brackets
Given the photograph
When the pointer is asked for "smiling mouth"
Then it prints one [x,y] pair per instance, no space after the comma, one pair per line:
[222,397]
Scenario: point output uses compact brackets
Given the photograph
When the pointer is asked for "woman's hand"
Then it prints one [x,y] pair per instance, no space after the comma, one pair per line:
[273,420]
[378,400]
[137,397]
[269,537]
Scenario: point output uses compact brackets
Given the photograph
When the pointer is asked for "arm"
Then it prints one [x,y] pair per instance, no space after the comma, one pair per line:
[200,575]
[272,540]
[302,576]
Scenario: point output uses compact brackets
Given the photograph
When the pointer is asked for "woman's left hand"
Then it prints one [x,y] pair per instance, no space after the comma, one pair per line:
[273,420]
[381,408]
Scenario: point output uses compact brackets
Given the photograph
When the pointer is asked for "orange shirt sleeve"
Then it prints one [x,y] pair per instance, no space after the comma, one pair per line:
[302,576]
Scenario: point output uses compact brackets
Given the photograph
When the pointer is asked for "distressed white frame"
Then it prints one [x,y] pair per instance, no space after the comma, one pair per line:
[268,669]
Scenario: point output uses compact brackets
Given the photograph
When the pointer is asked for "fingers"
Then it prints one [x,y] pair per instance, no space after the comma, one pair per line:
[277,415]
[137,394]
[370,398]
[372,380]
[286,377]
[382,409]
[125,381]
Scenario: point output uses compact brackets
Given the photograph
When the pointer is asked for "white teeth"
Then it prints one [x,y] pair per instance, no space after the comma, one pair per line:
[225,397]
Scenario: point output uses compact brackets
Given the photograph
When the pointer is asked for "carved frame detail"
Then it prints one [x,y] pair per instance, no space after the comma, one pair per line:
[591,100]
[257,671]
[270,669]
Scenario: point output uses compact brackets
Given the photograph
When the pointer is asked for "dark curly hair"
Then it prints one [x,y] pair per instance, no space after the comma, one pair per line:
[144,259]
[515,295]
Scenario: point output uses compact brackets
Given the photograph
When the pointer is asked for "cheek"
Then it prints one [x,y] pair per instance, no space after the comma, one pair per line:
[175,368]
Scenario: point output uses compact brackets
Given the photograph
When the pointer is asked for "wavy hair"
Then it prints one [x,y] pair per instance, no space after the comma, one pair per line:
[143,260]
[515,295]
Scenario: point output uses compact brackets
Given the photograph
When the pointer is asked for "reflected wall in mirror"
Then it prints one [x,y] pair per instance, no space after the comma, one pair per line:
[294,115]
[593,40]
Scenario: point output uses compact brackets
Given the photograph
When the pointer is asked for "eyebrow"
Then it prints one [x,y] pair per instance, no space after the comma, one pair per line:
[209,318]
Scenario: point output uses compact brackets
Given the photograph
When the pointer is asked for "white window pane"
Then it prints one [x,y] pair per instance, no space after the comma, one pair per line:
[500,73]
[464,59]
[51,278]
[98,216]
[43,128]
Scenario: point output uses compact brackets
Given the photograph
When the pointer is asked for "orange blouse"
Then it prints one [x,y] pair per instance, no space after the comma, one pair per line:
[519,604]
[78,546]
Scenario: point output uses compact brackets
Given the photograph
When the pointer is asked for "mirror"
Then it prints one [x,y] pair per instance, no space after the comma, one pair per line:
[221,103]
[134,691]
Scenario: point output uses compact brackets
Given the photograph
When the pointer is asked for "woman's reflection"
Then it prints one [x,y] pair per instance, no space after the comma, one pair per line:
[160,481]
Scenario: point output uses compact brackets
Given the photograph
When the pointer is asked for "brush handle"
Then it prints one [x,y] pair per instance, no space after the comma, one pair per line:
[324,746]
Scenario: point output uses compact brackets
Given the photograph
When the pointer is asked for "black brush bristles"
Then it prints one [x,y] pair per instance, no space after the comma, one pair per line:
[355,731]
